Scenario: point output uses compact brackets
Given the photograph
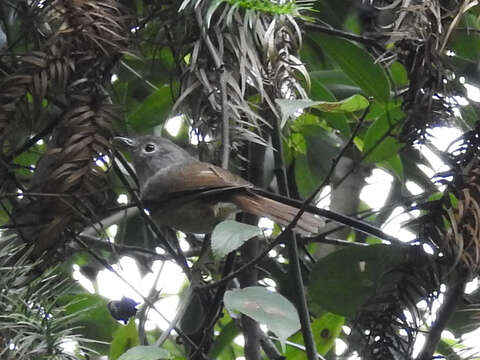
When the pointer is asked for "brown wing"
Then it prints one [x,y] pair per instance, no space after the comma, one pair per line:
[185,178]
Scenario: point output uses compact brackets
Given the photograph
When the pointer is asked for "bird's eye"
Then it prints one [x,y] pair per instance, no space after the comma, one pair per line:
[149,148]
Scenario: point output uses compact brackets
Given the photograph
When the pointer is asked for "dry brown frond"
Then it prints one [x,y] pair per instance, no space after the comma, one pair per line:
[68,72]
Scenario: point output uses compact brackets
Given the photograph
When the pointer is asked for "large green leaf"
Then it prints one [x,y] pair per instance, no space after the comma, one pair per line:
[329,77]
[305,179]
[153,111]
[379,142]
[322,147]
[319,92]
[342,281]
[229,235]
[357,63]
[399,74]
[466,44]
[394,165]
[325,330]
[266,307]
[124,338]
[146,353]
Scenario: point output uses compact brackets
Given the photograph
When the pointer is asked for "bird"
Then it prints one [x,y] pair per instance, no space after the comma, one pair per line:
[193,196]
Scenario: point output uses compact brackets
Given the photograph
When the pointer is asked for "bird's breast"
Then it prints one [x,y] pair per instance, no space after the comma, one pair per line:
[197,216]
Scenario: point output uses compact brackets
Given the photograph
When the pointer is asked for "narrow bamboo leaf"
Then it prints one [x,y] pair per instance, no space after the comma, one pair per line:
[357,63]
[266,307]
[229,235]
[153,111]
[146,353]
[124,338]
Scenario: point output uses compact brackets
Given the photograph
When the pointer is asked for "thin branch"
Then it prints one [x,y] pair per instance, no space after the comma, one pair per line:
[134,72]
[373,42]
[337,242]
[452,296]
[293,255]
[129,249]
[153,296]
[187,298]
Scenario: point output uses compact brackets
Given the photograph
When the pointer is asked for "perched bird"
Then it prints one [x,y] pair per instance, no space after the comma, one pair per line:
[193,196]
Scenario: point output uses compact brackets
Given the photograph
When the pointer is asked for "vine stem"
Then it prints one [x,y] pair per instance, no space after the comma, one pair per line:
[293,256]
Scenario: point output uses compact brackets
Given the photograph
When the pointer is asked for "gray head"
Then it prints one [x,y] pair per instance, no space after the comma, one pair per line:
[151,153]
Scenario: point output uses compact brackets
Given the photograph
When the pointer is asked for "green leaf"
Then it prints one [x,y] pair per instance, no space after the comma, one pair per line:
[306,181]
[351,104]
[331,77]
[320,92]
[125,337]
[394,165]
[325,330]
[322,147]
[399,73]
[342,281]
[153,111]
[229,235]
[379,144]
[357,64]
[146,353]
[266,307]
[466,45]
[224,339]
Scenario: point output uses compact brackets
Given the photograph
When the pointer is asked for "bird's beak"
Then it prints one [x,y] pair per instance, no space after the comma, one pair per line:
[123,143]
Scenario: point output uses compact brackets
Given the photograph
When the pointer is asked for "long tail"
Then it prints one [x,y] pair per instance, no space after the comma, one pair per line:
[279,212]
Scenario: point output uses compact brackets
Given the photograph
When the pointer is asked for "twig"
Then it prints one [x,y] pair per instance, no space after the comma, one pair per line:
[293,256]
[346,35]
[452,296]
[187,298]
[121,249]
[269,348]
[134,72]
[337,242]
[142,314]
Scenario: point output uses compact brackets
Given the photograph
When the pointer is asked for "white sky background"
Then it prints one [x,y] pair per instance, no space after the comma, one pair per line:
[171,279]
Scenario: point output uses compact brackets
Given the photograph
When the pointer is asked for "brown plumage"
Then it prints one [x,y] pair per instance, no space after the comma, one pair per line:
[194,196]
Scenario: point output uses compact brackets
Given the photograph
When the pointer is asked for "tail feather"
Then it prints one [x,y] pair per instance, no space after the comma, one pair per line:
[282,214]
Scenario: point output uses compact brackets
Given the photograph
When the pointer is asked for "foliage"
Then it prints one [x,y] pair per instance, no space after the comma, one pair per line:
[301,98]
